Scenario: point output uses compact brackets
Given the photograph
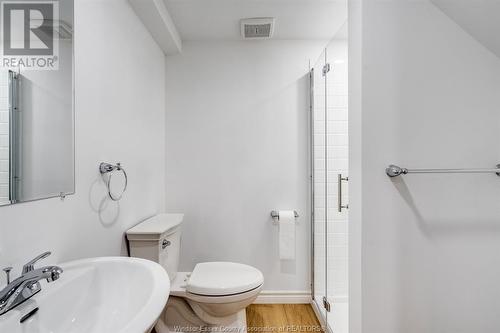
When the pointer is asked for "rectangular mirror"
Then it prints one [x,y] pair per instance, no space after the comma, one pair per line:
[36,101]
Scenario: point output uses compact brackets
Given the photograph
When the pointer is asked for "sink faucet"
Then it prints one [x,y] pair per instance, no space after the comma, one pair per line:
[27,285]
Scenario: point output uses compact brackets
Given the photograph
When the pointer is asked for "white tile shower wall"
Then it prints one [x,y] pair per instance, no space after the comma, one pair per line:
[337,138]
[337,162]
[237,148]
[120,116]
[4,138]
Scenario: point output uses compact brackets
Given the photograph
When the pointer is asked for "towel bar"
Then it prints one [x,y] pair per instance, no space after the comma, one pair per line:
[394,170]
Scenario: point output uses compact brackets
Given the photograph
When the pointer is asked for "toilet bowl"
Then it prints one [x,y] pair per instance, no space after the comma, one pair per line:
[214,294]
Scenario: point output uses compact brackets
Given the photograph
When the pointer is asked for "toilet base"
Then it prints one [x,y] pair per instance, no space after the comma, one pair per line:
[179,317]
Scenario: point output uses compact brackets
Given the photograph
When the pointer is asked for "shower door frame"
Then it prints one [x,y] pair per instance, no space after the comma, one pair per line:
[318,305]
[311,176]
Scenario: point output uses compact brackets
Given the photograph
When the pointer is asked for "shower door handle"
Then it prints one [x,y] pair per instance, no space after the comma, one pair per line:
[339,192]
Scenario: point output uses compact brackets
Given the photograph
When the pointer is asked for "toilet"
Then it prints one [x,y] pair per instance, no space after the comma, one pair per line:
[213,296]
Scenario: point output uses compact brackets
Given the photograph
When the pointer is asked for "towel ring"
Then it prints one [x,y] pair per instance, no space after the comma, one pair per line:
[107,168]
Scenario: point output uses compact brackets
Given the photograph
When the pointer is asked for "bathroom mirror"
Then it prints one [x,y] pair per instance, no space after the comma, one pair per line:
[36,101]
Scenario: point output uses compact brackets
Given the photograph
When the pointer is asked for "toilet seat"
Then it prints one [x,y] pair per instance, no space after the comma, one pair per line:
[226,295]
[214,279]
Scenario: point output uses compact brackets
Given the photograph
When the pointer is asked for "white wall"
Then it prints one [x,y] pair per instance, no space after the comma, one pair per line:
[355,164]
[430,243]
[478,18]
[120,116]
[237,148]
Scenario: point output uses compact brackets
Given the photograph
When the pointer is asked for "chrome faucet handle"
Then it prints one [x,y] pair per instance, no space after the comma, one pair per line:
[30,265]
[7,272]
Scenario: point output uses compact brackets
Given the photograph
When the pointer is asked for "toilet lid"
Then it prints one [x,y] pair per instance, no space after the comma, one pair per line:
[223,278]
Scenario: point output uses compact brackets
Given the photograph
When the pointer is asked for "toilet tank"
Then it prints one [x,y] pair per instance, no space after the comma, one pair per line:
[158,239]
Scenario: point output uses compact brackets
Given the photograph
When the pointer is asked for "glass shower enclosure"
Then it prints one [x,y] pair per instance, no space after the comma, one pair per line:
[330,179]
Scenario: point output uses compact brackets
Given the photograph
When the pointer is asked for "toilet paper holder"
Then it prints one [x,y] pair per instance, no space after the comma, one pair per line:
[276,215]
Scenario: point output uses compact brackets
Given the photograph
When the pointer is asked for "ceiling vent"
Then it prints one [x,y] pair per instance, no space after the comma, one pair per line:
[257,28]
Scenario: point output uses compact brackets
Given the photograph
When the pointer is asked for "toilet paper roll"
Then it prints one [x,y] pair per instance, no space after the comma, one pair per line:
[287,234]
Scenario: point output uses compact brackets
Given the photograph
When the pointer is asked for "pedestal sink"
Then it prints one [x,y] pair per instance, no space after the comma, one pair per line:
[98,295]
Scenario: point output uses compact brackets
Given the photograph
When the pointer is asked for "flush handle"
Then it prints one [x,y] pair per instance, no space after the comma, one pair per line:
[165,243]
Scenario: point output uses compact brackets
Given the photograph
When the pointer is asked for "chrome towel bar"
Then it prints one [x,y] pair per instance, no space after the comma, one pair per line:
[394,170]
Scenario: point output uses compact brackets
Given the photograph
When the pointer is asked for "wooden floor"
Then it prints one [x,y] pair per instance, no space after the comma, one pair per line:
[282,318]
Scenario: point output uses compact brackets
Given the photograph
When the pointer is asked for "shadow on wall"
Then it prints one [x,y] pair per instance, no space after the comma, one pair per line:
[442,226]
[99,201]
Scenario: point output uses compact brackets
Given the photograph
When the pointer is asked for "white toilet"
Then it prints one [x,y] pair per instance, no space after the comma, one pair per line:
[214,295]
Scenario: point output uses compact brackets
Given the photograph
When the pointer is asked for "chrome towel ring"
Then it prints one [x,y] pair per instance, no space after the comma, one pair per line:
[107,168]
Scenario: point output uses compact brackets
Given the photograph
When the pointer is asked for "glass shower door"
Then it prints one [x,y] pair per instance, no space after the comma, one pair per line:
[319,184]
[337,185]
[329,120]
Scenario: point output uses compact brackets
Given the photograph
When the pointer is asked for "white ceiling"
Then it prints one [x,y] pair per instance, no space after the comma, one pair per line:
[219,19]
[480,18]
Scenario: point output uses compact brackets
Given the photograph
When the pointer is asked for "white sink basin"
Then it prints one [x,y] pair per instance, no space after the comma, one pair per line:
[98,295]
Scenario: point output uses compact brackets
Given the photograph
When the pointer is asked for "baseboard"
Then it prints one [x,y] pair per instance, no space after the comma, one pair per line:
[283,297]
